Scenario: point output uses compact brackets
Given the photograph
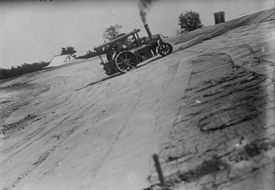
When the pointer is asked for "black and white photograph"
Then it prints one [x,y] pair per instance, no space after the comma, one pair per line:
[137,95]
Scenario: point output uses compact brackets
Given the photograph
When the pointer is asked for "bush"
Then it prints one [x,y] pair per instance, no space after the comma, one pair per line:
[68,50]
[88,54]
[189,21]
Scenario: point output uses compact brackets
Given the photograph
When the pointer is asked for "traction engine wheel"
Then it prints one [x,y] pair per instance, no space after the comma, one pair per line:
[125,61]
[165,49]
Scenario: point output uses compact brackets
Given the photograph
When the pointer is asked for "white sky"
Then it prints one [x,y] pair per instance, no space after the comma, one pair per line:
[33,31]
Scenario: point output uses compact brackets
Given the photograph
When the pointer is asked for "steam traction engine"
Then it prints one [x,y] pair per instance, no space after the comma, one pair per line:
[128,50]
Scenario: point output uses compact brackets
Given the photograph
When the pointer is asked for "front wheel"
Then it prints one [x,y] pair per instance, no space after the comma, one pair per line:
[165,49]
[125,61]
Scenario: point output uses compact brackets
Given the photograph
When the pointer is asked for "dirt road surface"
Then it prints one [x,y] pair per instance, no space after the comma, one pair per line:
[207,110]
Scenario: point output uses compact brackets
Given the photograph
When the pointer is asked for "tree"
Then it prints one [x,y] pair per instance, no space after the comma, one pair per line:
[112,32]
[189,21]
[68,50]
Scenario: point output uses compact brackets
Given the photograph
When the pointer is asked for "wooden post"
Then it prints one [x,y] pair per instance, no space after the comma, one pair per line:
[159,170]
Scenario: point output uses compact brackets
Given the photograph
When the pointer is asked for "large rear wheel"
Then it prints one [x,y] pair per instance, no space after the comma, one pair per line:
[165,49]
[125,61]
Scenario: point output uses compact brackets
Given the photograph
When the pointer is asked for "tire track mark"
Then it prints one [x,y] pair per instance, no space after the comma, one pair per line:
[38,138]
[43,157]
[124,125]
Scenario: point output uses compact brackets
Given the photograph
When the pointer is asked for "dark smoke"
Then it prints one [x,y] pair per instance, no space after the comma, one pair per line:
[144,6]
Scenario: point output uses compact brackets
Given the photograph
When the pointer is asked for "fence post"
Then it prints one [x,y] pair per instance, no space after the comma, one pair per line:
[159,170]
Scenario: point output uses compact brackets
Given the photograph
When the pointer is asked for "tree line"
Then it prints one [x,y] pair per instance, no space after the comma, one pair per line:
[22,69]
[32,67]
[71,51]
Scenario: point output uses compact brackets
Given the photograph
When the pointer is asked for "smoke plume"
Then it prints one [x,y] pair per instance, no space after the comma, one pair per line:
[144,7]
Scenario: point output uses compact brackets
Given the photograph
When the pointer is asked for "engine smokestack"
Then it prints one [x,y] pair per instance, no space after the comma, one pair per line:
[148,31]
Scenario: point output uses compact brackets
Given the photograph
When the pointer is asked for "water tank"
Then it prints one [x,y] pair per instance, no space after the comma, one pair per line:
[219,17]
